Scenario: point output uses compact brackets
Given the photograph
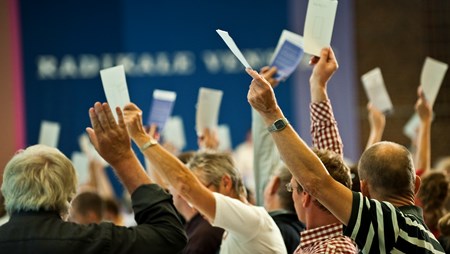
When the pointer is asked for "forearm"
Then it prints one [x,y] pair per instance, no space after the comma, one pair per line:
[318,92]
[374,137]
[423,153]
[324,130]
[131,172]
[179,176]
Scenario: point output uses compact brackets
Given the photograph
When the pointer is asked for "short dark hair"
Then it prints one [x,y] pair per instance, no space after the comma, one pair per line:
[89,201]
[388,168]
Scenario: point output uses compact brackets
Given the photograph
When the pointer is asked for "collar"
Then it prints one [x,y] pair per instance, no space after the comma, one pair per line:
[311,236]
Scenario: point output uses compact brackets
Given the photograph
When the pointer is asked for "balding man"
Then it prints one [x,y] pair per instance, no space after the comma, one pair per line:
[394,225]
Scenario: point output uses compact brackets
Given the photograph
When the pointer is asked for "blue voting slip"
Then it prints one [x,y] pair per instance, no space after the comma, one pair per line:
[160,113]
[287,60]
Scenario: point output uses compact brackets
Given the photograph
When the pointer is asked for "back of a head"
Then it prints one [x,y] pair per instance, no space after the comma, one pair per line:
[336,167]
[388,169]
[212,166]
[433,190]
[39,178]
[286,200]
[87,207]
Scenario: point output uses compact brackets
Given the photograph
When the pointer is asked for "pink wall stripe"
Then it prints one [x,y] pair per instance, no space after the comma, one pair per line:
[18,95]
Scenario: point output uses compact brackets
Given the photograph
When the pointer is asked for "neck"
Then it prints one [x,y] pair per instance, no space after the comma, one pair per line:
[316,217]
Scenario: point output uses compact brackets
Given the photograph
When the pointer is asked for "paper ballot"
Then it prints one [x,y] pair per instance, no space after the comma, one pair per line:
[319,25]
[431,78]
[115,87]
[433,73]
[49,133]
[161,108]
[81,163]
[223,132]
[88,149]
[287,55]
[376,91]
[208,105]
[230,43]
[174,132]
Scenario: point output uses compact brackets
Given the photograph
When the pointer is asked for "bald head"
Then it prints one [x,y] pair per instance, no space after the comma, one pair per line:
[388,169]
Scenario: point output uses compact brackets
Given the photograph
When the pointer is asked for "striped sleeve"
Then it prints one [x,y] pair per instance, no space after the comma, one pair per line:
[379,227]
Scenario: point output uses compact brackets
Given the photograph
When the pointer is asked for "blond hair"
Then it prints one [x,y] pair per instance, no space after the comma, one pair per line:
[39,178]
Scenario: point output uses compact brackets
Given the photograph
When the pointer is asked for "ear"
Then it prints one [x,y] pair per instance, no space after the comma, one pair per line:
[306,199]
[417,184]
[275,185]
[364,188]
[227,184]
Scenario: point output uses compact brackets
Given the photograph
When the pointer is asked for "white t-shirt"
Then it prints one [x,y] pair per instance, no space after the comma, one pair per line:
[248,229]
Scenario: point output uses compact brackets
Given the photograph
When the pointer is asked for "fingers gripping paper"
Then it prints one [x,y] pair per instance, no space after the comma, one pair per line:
[288,54]
[319,25]
[115,87]
[208,105]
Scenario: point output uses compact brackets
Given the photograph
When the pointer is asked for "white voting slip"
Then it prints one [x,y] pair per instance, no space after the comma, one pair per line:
[208,105]
[431,78]
[223,133]
[288,54]
[49,133]
[230,43]
[376,90]
[319,25]
[115,87]
[174,132]
[161,108]
[81,164]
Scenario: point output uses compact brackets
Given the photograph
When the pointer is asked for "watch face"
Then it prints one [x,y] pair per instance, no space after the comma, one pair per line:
[280,124]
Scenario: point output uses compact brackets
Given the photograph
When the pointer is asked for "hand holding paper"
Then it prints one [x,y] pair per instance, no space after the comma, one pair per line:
[319,25]
[115,87]
[376,90]
[230,43]
[161,108]
[208,105]
[288,54]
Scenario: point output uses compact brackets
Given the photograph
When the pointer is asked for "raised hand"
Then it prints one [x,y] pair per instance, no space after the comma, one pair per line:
[268,73]
[423,108]
[324,68]
[109,138]
[133,121]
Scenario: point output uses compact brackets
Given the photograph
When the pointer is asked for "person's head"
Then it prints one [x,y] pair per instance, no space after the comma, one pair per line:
[87,208]
[112,211]
[386,172]
[39,178]
[336,168]
[217,170]
[275,189]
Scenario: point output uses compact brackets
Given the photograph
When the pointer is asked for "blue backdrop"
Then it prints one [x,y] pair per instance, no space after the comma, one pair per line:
[169,45]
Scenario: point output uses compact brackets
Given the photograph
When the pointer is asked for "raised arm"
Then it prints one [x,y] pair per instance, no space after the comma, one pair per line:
[324,130]
[265,154]
[423,152]
[168,166]
[299,158]
[377,121]
[112,142]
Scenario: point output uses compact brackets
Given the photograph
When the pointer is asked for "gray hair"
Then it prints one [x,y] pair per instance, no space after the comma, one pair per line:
[213,166]
[39,178]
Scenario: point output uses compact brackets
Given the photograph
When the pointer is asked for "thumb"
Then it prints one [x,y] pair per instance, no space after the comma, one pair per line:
[92,137]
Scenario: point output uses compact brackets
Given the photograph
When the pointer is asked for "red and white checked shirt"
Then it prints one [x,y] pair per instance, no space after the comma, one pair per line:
[326,239]
[324,130]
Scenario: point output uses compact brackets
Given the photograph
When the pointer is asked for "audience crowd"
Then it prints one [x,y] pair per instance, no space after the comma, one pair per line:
[309,199]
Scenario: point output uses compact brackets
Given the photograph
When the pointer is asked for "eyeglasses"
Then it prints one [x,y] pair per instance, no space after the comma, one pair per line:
[290,188]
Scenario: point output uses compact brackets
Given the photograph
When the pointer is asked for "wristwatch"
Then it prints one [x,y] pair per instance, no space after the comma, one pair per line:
[278,125]
[148,144]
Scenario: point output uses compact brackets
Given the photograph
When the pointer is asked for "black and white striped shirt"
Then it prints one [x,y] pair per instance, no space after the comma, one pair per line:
[379,227]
